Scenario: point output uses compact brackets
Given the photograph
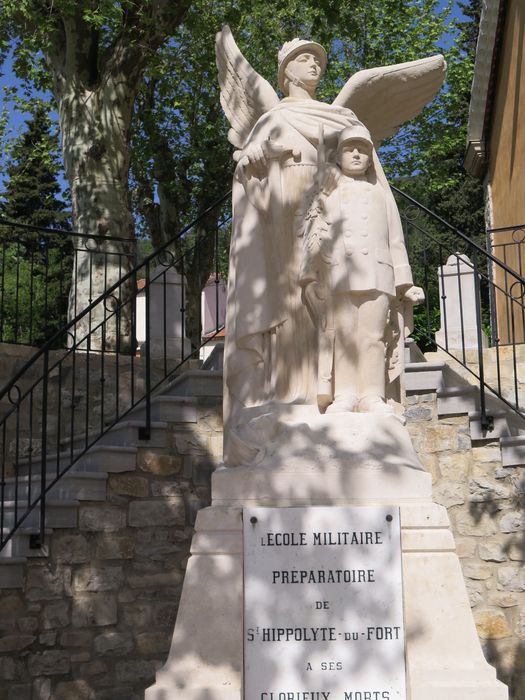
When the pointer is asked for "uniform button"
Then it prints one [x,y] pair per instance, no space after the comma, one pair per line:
[365,251]
[364,234]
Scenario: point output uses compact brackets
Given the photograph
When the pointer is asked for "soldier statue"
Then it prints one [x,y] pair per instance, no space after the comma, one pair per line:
[354,265]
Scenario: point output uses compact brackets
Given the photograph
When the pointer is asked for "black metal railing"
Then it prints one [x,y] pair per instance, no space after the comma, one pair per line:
[472,299]
[508,245]
[48,276]
[63,401]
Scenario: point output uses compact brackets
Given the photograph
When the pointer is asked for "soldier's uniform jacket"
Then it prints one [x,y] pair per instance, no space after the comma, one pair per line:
[360,241]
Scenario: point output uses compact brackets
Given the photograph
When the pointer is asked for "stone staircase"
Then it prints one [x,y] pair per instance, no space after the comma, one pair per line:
[457,393]
[115,453]
[479,476]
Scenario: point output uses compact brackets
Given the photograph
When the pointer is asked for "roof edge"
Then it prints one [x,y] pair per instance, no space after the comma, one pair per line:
[484,67]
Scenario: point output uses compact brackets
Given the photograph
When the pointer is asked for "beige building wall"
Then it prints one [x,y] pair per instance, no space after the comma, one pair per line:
[507,168]
[507,137]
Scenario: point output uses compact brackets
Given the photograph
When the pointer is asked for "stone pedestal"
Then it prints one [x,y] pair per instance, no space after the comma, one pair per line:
[167,335]
[457,300]
[443,655]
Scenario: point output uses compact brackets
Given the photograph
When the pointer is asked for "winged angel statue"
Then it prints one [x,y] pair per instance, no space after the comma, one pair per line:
[283,149]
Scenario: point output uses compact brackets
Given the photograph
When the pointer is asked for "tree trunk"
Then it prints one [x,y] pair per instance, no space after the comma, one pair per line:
[96,158]
[95,87]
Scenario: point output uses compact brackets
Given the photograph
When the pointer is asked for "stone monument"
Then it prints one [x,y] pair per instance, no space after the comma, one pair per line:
[322,569]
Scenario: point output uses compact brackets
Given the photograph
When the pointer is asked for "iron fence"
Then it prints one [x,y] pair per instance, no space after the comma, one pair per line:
[437,249]
[47,276]
[507,245]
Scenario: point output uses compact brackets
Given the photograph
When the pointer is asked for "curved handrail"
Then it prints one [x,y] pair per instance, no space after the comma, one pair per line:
[89,331]
[472,244]
[498,294]
[62,231]
[38,280]
[49,344]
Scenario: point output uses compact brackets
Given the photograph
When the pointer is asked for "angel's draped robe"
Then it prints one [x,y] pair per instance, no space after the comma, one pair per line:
[271,342]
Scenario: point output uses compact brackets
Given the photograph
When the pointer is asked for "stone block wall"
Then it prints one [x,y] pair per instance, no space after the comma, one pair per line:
[95,618]
[485,505]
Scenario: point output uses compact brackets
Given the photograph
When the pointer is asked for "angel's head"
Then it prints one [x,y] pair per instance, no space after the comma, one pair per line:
[354,150]
[302,63]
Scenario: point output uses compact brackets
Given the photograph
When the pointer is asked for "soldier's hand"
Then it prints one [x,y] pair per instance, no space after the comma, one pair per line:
[414,294]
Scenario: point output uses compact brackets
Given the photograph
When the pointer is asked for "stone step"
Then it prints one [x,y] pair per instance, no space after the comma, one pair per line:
[503,426]
[108,458]
[81,486]
[99,458]
[424,376]
[196,382]
[58,514]
[513,451]
[125,434]
[457,400]
[19,545]
[171,409]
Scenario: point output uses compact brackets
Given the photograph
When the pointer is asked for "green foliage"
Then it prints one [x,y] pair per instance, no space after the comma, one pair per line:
[91,56]
[36,267]
[427,322]
[439,180]
[4,127]
[438,177]
[31,194]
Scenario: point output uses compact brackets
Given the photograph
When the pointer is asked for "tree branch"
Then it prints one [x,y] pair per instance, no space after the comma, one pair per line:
[144,30]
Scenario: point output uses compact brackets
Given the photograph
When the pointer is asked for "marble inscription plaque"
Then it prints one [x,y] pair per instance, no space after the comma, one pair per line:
[323,610]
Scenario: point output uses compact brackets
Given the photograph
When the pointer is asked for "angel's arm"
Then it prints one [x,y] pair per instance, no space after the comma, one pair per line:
[245,95]
[384,98]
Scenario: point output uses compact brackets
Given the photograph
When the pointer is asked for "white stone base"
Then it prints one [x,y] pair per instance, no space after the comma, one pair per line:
[443,655]
[206,656]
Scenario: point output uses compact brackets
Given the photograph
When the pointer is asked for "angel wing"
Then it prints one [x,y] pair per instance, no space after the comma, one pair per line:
[245,95]
[384,98]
